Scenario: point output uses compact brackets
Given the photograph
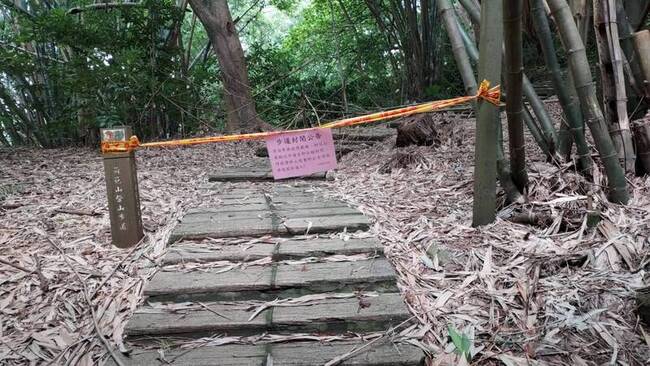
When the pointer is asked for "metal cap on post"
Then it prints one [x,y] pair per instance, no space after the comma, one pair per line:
[122,190]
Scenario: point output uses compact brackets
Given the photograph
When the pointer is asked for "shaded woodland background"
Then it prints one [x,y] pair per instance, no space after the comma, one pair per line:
[68,70]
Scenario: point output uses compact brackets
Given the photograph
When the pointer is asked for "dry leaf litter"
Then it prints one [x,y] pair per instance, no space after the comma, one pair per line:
[552,291]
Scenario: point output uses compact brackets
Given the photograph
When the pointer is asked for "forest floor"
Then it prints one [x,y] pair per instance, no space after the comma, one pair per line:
[556,292]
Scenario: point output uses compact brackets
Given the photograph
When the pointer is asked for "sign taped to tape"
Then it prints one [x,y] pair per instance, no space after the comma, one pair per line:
[297,154]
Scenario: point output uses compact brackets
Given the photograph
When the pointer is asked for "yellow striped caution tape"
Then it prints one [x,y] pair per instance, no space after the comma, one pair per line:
[491,95]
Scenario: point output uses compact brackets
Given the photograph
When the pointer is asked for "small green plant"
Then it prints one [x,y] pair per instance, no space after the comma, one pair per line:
[461,341]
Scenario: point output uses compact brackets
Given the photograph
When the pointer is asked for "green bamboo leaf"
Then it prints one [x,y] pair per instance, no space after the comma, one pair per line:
[460,341]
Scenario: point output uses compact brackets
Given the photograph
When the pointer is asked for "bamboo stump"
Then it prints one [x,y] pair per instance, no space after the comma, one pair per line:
[419,131]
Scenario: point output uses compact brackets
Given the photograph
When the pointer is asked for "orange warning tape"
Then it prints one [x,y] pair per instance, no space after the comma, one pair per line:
[491,95]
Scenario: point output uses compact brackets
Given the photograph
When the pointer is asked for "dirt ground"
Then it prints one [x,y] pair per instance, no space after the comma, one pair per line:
[549,291]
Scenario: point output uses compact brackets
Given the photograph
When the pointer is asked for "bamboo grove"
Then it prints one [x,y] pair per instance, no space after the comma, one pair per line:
[611,106]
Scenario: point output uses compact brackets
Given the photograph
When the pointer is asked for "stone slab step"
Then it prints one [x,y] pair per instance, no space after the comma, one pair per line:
[281,280]
[251,174]
[282,250]
[280,212]
[283,354]
[334,315]
[363,134]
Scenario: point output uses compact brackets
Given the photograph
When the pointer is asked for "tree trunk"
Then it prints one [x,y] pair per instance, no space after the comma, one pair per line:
[586,90]
[512,29]
[569,101]
[230,114]
[613,81]
[215,17]
[485,160]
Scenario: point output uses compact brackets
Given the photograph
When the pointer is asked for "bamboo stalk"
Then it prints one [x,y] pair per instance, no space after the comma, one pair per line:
[470,46]
[617,59]
[642,45]
[613,81]
[485,166]
[642,130]
[512,29]
[504,173]
[536,104]
[637,11]
[446,11]
[534,130]
[570,103]
[626,37]
[545,120]
[581,11]
[532,126]
[472,10]
[586,90]
[460,49]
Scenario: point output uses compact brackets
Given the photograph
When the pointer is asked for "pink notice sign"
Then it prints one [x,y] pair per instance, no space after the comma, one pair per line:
[296,154]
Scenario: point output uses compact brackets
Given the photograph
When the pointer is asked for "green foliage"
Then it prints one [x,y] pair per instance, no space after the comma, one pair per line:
[303,68]
[70,74]
[116,64]
[461,342]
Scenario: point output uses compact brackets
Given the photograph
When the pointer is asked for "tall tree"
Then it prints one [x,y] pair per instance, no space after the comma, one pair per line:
[485,160]
[217,20]
[586,89]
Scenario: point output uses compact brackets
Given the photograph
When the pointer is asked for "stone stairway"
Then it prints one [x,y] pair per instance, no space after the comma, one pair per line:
[287,282]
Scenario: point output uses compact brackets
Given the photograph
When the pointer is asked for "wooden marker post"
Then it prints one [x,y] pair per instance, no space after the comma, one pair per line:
[122,191]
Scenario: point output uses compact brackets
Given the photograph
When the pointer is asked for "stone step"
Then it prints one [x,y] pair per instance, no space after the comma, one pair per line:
[247,174]
[278,213]
[282,354]
[333,315]
[271,281]
[281,250]
[363,133]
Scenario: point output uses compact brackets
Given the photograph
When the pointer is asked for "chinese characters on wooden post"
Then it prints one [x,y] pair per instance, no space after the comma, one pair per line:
[122,191]
[296,154]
